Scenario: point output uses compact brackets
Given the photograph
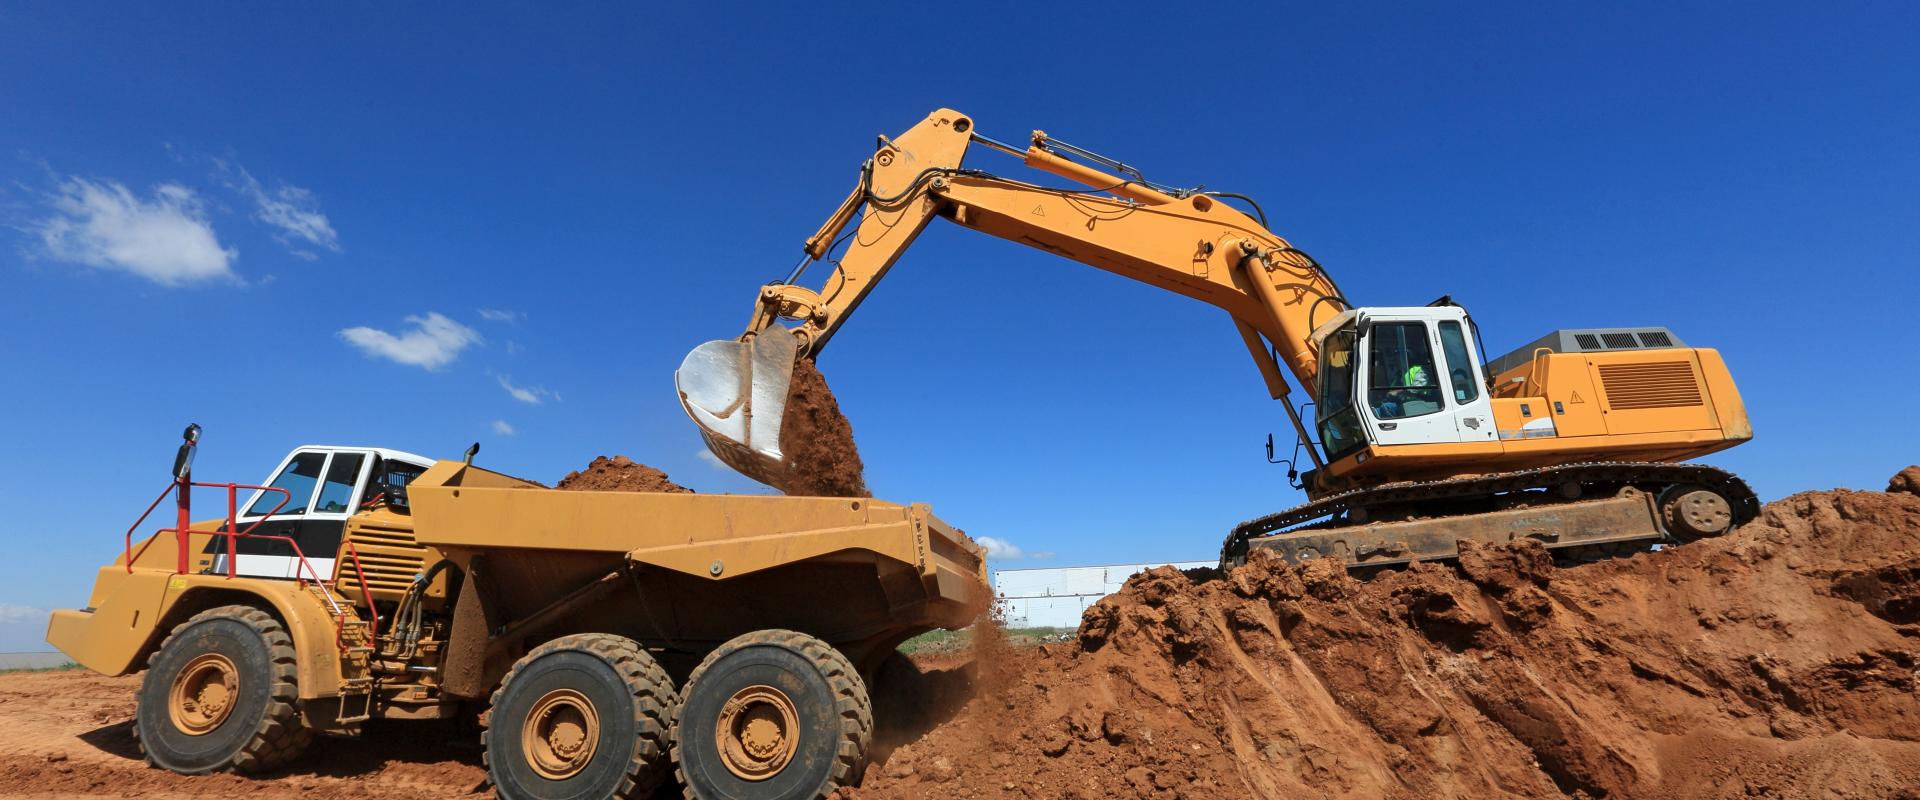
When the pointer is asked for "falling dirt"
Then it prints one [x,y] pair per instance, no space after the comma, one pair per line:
[620,474]
[1777,661]
[818,441]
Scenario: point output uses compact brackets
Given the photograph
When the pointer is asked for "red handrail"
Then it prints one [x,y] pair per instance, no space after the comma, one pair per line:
[183,532]
[234,535]
[373,630]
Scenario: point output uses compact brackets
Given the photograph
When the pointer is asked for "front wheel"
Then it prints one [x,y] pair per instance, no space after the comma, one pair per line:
[772,715]
[221,693]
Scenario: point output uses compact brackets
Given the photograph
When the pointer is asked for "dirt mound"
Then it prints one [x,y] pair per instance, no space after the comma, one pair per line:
[818,441]
[1777,661]
[1907,481]
[620,474]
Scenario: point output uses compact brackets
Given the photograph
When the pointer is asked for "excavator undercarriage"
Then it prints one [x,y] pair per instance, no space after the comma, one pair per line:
[1579,511]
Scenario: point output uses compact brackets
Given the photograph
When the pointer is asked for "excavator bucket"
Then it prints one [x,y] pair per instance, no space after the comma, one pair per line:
[736,391]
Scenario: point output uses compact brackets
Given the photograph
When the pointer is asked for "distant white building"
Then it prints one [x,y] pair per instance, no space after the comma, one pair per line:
[1054,597]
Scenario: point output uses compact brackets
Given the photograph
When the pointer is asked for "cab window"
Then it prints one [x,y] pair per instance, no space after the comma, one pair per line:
[1339,424]
[336,492]
[1453,343]
[1402,381]
[298,478]
[387,472]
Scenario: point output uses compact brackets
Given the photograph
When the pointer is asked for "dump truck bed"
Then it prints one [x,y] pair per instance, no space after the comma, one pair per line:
[857,572]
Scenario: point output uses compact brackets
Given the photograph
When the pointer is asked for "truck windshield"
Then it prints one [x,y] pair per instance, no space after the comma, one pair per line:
[299,478]
[1339,424]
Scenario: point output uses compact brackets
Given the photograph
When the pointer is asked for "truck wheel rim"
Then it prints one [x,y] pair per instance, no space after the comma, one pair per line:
[758,732]
[203,694]
[560,734]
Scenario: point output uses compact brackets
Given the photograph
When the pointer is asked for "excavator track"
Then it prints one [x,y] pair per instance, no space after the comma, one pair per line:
[1564,487]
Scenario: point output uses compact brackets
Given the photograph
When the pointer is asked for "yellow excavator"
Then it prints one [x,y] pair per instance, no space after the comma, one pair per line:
[1417,440]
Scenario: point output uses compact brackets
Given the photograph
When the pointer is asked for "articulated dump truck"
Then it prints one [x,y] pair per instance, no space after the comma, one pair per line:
[607,640]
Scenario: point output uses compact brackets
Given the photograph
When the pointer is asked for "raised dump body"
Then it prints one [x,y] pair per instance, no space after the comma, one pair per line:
[606,640]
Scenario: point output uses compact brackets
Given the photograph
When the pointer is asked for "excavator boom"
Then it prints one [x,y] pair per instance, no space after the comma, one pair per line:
[1189,243]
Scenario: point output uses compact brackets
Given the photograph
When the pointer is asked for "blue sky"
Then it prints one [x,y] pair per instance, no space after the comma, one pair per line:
[428,226]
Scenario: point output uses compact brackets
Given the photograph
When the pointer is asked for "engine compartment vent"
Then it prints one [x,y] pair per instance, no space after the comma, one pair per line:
[1654,384]
[1588,340]
[390,557]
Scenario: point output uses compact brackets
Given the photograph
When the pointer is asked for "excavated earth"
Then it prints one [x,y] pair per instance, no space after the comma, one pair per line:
[1779,661]
[818,441]
[620,474]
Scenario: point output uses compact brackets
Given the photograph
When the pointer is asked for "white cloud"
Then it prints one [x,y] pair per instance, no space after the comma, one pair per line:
[531,395]
[167,240]
[514,348]
[498,315]
[707,455]
[434,342]
[501,427]
[1000,548]
[16,614]
[291,209]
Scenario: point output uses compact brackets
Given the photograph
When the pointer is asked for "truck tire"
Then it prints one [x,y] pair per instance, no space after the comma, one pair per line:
[771,715]
[220,693]
[583,716]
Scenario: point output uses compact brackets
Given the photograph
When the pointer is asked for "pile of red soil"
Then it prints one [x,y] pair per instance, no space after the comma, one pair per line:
[817,440]
[620,474]
[1777,661]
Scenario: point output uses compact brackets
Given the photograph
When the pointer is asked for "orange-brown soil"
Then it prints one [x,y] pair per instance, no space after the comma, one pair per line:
[620,474]
[1777,661]
[818,441]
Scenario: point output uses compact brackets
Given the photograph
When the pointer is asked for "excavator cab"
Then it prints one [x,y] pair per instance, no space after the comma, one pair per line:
[1394,376]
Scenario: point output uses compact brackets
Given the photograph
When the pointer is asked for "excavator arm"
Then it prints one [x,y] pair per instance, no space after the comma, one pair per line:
[1188,242]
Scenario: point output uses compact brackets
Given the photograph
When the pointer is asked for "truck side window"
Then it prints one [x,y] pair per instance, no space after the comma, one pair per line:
[337,491]
[298,479]
[1401,378]
[1459,363]
[396,473]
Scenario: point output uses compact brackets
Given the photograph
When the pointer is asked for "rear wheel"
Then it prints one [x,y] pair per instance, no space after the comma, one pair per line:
[222,692]
[582,716]
[772,715]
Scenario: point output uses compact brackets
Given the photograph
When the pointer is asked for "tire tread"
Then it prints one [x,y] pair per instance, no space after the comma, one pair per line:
[281,736]
[851,701]
[654,702]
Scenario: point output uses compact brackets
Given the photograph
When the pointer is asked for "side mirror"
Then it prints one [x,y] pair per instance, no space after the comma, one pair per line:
[183,460]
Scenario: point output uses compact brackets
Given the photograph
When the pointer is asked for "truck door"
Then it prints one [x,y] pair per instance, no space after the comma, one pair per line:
[324,486]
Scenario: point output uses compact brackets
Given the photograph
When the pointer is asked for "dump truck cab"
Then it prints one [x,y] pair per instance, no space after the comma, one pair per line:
[326,485]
